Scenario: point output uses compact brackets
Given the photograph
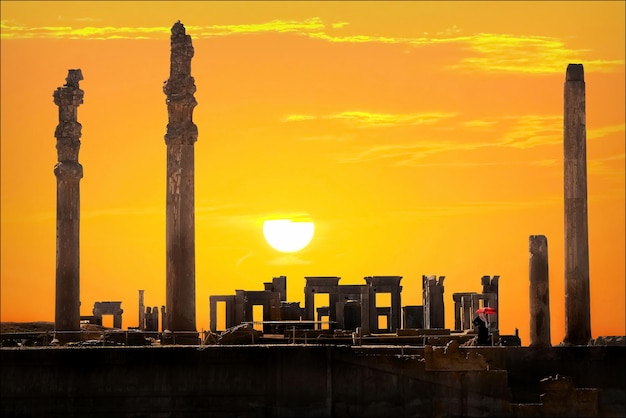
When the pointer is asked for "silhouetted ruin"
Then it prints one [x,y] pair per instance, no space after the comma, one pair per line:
[351,350]
[68,173]
[539,293]
[181,135]
[577,310]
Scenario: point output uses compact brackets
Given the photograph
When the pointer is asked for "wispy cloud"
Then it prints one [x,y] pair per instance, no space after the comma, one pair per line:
[603,131]
[612,166]
[525,54]
[478,207]
[520,132]
[277,26]
[370,119]
[11,31]
[488,52]
[530,131]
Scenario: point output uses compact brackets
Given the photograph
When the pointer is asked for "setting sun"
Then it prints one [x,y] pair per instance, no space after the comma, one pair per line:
[288,236]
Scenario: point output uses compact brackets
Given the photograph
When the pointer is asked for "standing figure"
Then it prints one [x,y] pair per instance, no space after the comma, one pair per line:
[481,323]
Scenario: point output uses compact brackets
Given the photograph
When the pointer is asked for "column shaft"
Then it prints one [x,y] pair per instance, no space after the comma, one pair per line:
[539,292]
[577,310]
[181,135]
[68,173]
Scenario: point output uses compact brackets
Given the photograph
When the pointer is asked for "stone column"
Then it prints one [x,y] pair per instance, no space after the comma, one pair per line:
[68,173]
[181,135]
[490,292]
[432,294]
[142,312]
[539,292]
[577,311]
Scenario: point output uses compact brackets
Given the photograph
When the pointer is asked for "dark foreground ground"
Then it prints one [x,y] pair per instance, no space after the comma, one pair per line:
[312,380]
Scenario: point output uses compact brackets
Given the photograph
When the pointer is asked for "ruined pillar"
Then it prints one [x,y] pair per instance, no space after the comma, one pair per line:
[142,312]
[539,292]
[577,311]
[490,296]
[181,135]
[68,173]
[432,294]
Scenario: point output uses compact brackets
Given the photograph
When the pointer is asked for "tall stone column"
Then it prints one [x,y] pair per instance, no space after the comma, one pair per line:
[68,173]
[577,311]
[181,135]
[539,292]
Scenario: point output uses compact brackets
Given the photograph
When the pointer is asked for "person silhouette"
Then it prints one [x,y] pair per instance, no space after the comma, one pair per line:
[480,322]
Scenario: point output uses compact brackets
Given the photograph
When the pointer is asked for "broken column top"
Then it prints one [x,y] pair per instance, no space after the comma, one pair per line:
[575,72]
[73,77]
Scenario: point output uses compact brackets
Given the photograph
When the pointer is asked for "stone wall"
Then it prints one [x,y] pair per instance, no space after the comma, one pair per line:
[303,381]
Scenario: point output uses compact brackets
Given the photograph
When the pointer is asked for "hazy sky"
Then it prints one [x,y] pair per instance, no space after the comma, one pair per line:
[420,137]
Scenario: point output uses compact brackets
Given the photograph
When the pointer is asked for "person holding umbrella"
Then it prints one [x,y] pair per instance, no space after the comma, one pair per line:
[482,323]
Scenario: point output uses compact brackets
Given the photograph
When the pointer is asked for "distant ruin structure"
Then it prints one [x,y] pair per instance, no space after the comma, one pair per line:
[68,172]
[181,135]
[577,309]
[142,312]
[109,308]
[539,293]
[490,299]
[432,295]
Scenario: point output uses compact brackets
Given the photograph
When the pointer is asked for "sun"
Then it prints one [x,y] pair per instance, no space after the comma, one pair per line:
[288,236]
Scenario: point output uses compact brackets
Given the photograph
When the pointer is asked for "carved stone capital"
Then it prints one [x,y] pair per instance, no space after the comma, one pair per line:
[68,129]
[180,86]
[181,133]
[68,96]
[68,170]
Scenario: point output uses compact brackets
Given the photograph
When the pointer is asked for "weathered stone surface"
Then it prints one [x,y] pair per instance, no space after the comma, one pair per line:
[539,292]
[577,309]
[68,173]
[181,135]
[452,359]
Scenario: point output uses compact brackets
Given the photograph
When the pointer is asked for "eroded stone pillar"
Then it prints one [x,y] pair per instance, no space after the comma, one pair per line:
[539,292]
[577,311]
[432,294]
[181,135]
[68,173]
[142,312]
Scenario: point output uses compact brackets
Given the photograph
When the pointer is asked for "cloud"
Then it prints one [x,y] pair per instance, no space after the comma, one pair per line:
[525,54]
[401,153]
[607,167]
[15,31]
[489,52]
[478,207]
[278,26]
[603,131]
[529,131]
[480,124]
[370,119]
[519,132]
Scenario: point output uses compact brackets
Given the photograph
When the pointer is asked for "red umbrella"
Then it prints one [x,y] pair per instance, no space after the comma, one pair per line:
[487,310]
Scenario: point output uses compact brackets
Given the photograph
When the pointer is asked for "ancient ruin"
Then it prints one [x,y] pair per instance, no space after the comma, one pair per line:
[351,312]
[354,354]
[68,172]
[181,135]
[109,308]
[577,310]
[539,293]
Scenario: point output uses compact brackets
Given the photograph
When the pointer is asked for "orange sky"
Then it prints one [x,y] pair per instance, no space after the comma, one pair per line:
[420,137]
